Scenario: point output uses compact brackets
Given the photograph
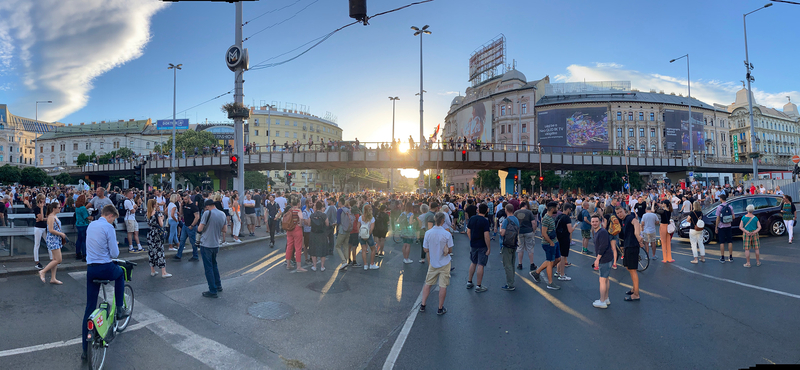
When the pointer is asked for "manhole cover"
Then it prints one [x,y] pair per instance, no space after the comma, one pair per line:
[323,287]
[270,310]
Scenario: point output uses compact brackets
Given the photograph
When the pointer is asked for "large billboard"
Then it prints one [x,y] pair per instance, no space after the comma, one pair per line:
[166,124]
[488,57]
[676,125]
[475,122]
[573,130]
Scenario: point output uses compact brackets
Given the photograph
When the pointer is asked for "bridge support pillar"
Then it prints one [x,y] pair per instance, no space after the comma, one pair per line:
[507,180]
[220,179]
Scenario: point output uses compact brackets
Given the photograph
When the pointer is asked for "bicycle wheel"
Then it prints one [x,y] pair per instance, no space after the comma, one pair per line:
[644,259]
[396,235]
[127,303]
[96,353]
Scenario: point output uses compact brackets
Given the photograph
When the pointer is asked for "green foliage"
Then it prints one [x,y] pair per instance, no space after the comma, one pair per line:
[32,176]
[487,180]
[187,141]
[255,180]
[596,181]
[63,178]
[9,174]
[83,158]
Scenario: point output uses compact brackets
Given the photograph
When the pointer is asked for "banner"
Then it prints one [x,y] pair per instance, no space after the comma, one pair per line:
[735,148]
[572,130]
[166,124]
[475,122]
[676,125]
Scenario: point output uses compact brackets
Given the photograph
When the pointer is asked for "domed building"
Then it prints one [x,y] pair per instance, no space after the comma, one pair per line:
[777,133]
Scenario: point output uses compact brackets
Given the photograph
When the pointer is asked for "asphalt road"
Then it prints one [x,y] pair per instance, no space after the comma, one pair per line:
[708,315]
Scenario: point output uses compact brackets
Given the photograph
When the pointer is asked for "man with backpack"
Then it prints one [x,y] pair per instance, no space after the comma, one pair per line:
[586,234]
[723,228]
[509,230]
[480,246]
[549,246]
[563,234]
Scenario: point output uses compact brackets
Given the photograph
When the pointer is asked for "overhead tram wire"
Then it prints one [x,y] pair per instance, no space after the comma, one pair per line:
[262,65]
[271,11]
[281,22]
[195,106]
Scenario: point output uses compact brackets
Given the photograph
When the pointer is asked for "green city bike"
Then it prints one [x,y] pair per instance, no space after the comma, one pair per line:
[102,324]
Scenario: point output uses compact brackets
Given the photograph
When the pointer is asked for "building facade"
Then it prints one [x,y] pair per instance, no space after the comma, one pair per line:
[18,137]
[777,133]
[279,126]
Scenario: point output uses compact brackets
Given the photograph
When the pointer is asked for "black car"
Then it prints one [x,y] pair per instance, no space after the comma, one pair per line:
[767,210]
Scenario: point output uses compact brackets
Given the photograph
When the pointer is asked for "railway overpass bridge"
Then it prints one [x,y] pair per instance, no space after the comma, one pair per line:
[508,158]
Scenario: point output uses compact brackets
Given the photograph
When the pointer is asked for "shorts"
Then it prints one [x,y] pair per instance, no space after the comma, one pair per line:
[650,237]
[725,235]
[369,241]
[478,256]
[605,269]
[380,233]
[353,240]
[132,225]
[751,242]
[250,219]
[442,274]
[550,252]
[227,213]
[408,240]
[563,246]
[525,243]
[586,234]
[259,212]
[630,258]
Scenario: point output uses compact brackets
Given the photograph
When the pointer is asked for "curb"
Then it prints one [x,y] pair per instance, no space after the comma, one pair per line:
[81,266]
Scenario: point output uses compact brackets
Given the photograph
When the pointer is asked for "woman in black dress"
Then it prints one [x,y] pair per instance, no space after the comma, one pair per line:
[381,228]
[318,243]
[155,240]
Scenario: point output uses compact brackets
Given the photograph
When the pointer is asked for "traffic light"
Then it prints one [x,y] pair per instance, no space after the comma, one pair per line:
[541,178]
[137,174]
[463,155]
[624,179]
[235,165]
[438,181]
[289,179]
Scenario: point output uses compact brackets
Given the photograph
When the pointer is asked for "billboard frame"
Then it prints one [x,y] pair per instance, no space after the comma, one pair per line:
[483,62]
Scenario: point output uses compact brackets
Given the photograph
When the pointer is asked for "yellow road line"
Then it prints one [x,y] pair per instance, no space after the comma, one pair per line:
[399,292]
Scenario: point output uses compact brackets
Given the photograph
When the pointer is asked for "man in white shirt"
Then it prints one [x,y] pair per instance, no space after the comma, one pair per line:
[281,201]
[438,243]
[160,201]
[130,222]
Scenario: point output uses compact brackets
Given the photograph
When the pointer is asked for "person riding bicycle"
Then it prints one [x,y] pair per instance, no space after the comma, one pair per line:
[101,248]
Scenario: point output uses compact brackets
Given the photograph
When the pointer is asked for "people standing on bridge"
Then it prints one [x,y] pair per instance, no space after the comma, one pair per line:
[55,240]
[696,231]
[632,240]
[410,142]
[480,247]
[789,213]
[750,227]
[212,223]
[439,244]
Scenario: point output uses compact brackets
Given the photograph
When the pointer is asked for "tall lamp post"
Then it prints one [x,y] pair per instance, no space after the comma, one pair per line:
[420,32]
[174,69]
[394,100]
[35,149]
[269,127]
[689,102]
[750,78]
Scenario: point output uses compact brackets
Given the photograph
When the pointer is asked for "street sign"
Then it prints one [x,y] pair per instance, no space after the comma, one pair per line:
[691,174]
[796,159]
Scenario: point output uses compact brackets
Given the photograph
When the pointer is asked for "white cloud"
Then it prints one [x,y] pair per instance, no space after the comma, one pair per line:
[707,91]
[448,93]
[58,47]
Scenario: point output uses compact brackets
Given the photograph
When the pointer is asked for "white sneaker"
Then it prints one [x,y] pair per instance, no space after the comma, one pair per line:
[600,304]
[166,275]
[408,260]
[421,260]
[343,266]
[238,240]
[374,266]
[172,249]
[366,267]
[313,268]
[564,278]
[608,302]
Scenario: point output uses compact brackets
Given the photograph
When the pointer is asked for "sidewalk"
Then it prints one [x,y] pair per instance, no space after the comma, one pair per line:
[23,265]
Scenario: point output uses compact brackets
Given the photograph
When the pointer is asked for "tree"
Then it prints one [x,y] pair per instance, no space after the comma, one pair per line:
[83,158]
[255,180]
[487,180]
[63,178]
[32,176]
[188,140]
[9,174]
[595,181]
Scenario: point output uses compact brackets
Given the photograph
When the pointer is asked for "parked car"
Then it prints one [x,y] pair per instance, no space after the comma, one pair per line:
[766,209]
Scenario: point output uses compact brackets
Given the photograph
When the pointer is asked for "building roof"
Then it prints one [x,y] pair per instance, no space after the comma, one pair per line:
[513,75]
[631,97]
[107,128]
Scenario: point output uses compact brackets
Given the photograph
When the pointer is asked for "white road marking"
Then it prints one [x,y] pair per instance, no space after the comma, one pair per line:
[739,283]
[401,338]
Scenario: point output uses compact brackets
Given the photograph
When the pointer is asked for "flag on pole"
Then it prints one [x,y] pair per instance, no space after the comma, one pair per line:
[435,132]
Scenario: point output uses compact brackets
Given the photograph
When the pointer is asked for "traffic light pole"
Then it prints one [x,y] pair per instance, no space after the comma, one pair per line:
[238,98]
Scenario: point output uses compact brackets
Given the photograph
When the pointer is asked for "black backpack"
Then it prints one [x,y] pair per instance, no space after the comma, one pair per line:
[512,232]
[726,215]
[318,222]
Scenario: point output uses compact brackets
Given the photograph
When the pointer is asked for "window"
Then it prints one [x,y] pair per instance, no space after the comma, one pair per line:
[619,132]
[524,128]
[89,145]
[619,116]
[641,148]
[256,122]
[653,148]
[256,132]
[630,116]
[652,117]
[630,132]
[503,110]
[147,145]
[101,145]
[641,132]
[278,133]
[63,147]
[524,108]
[286,134]
[503,129]
[641,116]
[305,127]
[74,146]
[295,123]
[295,135]
[652,132]
[41,149]
[74,158]
[1,157]
[53,148]
[266,133]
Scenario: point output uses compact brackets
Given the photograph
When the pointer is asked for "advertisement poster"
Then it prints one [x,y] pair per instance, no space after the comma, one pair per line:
[475,123]
[573,130]
[676,125]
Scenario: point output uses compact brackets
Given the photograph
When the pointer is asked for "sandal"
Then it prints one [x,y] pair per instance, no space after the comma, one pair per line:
[41,276]
[629,299]
[746,265]
[630,292]
[56,282]
[758,264]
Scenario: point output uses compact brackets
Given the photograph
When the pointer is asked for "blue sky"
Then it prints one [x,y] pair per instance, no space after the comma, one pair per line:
[106,59]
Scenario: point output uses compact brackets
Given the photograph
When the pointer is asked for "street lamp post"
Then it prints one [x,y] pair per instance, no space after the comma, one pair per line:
[36,129]
[420,32]
[174,69]
[269,127]
[750,78]
[689,102]
[394,100]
